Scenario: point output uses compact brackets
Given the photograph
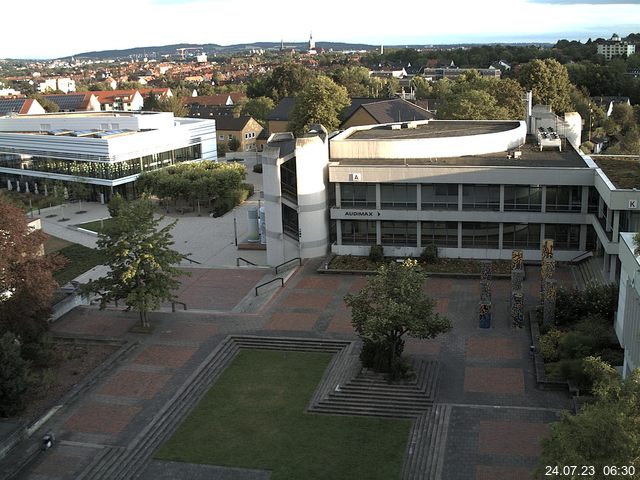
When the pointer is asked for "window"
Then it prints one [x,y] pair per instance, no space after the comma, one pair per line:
[594,200]
[358,195]
[563,198]
[399,233]
[480,235]
[521,235]
[440,196]
[290,222]
[398,195]
[565,237]
[358,232]
[522,198]
[289,179]
[442,234]
[481,197]
[221,137]
[230,137]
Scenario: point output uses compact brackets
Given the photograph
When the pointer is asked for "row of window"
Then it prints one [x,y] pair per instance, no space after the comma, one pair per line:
[473,235]
[474,197]
[105,170]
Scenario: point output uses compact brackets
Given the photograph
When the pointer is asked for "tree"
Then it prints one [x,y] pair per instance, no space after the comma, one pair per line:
[258,108]
[549,82]
[286,80]
[321,102]
[234,144]
[174,104]
[392,304]
[26,281]
[354,79]
[14,371]
[141,262]
[604,433]
[48,105]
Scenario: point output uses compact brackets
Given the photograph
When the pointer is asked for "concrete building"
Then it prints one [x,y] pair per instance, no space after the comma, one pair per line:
[615,47]
[245,129]
[65,85]
[107,151]
[22,106]
[75,102]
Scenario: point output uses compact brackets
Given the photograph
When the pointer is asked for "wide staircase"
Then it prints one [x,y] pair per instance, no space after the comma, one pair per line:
[589,272]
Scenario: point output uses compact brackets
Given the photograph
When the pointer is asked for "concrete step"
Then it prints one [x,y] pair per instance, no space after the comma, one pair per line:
[419,430]
[363,411]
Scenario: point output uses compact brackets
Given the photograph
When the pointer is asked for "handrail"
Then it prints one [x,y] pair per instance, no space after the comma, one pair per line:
[582,256]
[270,281]
[173,305]
[289,261]
[186,257]
[244,260]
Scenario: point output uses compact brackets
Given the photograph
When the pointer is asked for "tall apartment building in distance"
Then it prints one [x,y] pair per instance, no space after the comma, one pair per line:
[615,47]
[106,151]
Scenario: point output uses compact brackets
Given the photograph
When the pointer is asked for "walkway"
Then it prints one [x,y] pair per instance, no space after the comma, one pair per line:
[495,414]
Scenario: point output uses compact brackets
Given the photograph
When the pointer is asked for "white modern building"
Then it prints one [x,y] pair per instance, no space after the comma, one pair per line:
[475,189]
[107,151]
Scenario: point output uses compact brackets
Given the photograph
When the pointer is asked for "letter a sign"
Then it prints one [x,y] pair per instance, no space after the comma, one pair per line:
[356,177]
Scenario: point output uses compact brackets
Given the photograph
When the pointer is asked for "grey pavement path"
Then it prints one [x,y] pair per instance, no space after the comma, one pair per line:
[209,241]
[486,378]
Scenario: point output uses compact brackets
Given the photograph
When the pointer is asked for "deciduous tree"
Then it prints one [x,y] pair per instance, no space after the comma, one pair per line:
[321,101]
[142,263]
[604,433]
[391,305]
[549,83]
[26,281]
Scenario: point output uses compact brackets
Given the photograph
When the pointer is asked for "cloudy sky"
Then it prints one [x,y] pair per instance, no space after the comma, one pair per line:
[51,30]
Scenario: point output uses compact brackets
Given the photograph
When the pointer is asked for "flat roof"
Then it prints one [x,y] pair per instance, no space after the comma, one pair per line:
[435,129]
[622,170]
[531,156]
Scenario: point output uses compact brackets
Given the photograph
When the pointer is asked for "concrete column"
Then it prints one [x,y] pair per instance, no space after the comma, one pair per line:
[616,225]
[583,238]
[418,198]
[459,197]
[378,232]
[500,233]
[378,197]
[419,233]
[613,263]
[339,232]
[584,206]
[338,194]
[501,199]
[544,198]
[459,234]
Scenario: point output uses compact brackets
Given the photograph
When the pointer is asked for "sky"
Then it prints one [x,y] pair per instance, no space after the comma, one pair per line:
[55,30]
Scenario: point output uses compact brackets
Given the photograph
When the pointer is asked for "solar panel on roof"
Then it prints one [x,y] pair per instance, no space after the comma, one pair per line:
[11,105]
[84,133]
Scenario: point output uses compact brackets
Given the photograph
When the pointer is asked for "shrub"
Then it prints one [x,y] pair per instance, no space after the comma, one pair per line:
[376,253]
[376,355]
[613,356]
[14,372]
[257,168]
[549,345]
[573,305]
[249,188]
[41,352]
[429,253]
[597,328]
[574,371]
[576,345]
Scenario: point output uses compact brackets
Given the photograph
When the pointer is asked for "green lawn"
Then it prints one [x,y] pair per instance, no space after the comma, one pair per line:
[80,259]
[97,225]
[253,417]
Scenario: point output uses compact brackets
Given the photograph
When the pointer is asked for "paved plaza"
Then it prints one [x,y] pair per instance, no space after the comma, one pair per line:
[486,375]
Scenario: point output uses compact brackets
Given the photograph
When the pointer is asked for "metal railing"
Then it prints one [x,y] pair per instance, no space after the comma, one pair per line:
[173,305]
[190,260]
[270,281]
[289,261]
[244,260]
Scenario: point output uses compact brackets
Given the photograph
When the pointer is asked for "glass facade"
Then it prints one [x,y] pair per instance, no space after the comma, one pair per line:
[565,237]
[358,195]
[439,196]
[481,197]
[398,195]
[564,198]
[289,179]
[522,198]
[103,170]
[442,234]
[399,233]
[521,235]
[480,235]
[358,232]
[290,225]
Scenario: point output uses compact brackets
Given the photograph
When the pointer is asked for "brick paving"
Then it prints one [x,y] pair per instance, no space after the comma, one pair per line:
[494,380]
[511,438]
[479,369]
[102,418]
[127,383]
[165,355]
